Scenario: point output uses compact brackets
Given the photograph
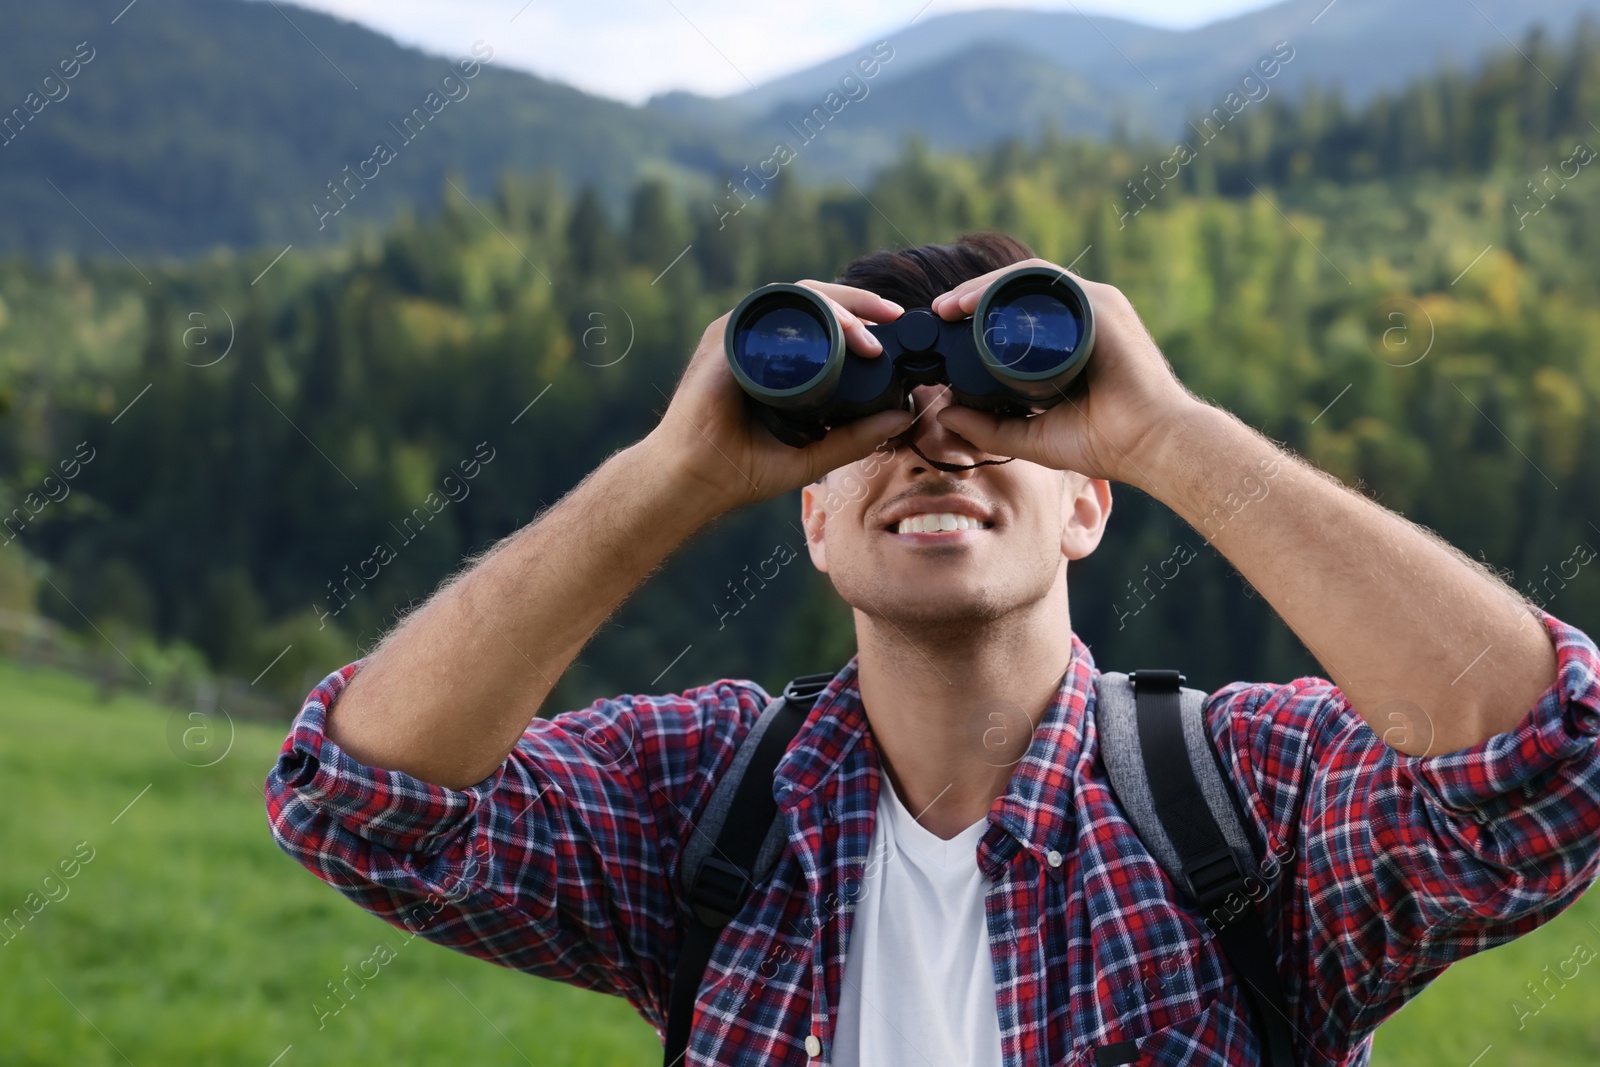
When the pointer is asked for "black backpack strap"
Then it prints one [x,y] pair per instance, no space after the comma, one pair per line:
[1166,776]
[733,848]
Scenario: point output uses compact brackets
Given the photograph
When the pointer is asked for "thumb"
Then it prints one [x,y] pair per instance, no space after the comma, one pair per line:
[855,440]
[996,435]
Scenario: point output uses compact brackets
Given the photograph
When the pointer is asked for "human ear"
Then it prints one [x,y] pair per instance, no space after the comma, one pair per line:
[1085,508]
[814,500]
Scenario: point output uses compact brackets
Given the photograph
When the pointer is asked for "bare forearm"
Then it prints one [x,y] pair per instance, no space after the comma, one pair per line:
[1435,652]
[447,694]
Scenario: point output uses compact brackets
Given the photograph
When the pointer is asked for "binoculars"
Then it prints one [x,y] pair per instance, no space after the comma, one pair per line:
[1024,349]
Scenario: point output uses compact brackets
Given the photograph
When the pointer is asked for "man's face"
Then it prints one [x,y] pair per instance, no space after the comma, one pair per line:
[875,528]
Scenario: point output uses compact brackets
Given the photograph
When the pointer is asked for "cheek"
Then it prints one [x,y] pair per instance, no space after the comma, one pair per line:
[1040,534]
[1040,541]
[845,537]
[1042,508]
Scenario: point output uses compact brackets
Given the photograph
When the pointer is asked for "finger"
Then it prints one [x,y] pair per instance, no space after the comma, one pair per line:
[856,335]
[948,305]
[963,299]
[854,440]
[861,302]
[997,435]
[959,302]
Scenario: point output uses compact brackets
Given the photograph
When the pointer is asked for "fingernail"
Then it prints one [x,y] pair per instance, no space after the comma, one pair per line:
[897,307]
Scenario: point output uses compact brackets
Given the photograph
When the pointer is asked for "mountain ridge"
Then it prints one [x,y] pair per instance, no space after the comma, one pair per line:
[233,123]
[224,122]
[1154,78]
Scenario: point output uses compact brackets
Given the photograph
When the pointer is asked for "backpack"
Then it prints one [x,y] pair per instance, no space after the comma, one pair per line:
[1163,771]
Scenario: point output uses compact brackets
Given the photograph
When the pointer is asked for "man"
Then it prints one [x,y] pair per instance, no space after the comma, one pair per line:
[959,885]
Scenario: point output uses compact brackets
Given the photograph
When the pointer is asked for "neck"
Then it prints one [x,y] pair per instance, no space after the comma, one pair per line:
[953,708]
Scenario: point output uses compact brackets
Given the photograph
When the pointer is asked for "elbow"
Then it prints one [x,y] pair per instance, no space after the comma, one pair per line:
[287,815]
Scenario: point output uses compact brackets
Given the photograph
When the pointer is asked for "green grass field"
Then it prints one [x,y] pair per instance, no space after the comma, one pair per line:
[189,938]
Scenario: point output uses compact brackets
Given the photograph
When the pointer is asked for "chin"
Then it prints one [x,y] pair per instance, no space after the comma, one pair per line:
[927,599]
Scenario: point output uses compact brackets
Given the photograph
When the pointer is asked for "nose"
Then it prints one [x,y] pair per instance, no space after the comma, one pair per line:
[931,442]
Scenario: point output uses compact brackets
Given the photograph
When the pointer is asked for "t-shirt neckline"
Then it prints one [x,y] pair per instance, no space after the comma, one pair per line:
[923,843]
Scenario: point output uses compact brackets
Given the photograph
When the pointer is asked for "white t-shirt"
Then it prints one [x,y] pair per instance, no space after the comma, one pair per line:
[918,978]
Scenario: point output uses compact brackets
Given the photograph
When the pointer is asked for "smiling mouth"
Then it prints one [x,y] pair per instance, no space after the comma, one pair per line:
[937,522]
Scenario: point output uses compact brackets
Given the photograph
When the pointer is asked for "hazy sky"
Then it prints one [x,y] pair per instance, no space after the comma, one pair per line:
[629,49]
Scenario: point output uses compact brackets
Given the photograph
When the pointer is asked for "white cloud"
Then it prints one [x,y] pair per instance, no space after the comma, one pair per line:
[630,49]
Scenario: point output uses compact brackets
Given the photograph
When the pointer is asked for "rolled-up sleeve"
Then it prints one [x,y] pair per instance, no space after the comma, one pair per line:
[561,863]
[1403,865]
[316,780]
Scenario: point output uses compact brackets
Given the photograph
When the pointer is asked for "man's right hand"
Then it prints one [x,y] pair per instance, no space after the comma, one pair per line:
[447,694]
[722,454]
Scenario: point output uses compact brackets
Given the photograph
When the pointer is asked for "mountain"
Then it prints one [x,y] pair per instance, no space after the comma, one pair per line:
[189,124]
[986,93]
[966,79]
[195,123]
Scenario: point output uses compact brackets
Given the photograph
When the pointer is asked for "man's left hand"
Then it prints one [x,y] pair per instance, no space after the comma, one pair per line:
[1131,401]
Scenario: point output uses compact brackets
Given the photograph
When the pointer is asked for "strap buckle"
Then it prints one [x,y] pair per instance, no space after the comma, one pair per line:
[807,687]
[718,891]
[1213,878]
[1157,681]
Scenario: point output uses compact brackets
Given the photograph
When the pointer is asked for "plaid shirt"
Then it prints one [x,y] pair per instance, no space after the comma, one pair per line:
[564,863]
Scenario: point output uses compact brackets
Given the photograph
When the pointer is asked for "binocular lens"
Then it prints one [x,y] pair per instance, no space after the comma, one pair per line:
[1032,332]
[783,346]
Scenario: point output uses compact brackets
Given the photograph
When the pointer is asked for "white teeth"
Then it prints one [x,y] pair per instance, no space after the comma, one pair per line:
[941,521]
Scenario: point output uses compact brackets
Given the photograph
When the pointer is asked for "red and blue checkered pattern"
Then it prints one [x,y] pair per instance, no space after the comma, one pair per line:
[564,863]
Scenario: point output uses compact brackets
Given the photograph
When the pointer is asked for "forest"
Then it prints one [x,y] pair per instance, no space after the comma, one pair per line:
[210,463]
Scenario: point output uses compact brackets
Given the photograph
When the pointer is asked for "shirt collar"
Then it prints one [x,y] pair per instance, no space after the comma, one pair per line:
[1035,811]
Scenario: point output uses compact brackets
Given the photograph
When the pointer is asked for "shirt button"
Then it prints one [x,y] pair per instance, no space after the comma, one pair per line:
[813,1046]
[1053,858]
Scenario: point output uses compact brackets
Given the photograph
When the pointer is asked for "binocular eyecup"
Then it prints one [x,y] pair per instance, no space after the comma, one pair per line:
[1024,349]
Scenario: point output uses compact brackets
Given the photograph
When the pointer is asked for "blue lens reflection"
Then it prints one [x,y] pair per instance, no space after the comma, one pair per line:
[1032,333]
[782,348]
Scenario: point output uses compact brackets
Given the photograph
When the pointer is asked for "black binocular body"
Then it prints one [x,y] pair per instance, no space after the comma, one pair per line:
[1023,349]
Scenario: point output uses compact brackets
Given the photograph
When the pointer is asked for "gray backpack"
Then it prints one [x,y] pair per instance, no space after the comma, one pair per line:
[1165,775]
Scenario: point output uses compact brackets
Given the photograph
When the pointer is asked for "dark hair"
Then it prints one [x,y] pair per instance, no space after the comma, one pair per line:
[912,277]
